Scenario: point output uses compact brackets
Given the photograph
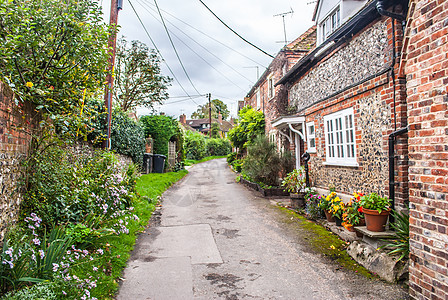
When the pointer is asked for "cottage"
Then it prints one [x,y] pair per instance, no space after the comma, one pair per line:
[346,100]
[264,95]
[203,125]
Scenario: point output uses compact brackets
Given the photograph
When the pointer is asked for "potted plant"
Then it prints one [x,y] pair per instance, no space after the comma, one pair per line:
[376,210]
[353,215]
[337,208]
[325,205]
[294,182]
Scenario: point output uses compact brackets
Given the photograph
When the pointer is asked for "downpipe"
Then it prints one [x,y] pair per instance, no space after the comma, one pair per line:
[392,141]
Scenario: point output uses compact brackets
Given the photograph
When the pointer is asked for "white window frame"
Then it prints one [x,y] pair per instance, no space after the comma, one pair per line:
[331,23]
[311,136]
[271,88]
[258,99]
[340,138]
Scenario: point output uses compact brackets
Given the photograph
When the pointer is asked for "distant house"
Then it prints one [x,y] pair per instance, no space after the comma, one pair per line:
[203,125]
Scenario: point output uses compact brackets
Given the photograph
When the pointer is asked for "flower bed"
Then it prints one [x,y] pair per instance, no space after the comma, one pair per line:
[266,192]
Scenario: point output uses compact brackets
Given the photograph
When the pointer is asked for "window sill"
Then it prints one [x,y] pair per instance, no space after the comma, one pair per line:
[311,150]
[341,164]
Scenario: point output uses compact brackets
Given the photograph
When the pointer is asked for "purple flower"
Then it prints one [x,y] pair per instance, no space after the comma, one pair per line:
[42,254]
[55,267]
[36,241]
[100,251]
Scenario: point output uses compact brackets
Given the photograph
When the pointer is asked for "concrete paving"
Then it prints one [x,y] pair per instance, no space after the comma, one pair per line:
[215,239]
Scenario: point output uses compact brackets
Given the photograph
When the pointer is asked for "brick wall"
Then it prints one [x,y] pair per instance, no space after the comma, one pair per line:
[16,127]
[427,87]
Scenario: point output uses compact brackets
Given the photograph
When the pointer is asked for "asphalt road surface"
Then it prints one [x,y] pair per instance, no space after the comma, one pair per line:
[215,239]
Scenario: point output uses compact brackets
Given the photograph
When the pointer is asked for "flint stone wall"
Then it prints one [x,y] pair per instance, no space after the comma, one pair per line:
[365,55]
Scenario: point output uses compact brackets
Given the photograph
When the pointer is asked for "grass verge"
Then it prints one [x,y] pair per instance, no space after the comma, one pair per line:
[149,186]
[325,242]
[189,162]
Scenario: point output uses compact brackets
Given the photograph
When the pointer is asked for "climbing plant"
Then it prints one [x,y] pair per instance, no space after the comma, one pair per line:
[250,125]
[162,129]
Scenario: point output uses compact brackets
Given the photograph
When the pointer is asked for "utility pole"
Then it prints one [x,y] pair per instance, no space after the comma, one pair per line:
[210,113]
[115,6]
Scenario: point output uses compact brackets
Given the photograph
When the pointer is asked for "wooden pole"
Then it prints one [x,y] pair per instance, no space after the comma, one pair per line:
[112,45]
[210,113]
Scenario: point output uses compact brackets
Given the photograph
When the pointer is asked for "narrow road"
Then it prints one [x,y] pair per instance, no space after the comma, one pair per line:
[215,239]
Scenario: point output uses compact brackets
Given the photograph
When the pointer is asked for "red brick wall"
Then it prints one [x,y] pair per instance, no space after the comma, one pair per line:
[427,87]
[15,134]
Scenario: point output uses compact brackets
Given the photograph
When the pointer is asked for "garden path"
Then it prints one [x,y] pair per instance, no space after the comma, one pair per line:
[214,239]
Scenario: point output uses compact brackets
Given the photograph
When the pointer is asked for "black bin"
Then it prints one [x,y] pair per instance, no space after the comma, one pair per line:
[147,163]
[159,163]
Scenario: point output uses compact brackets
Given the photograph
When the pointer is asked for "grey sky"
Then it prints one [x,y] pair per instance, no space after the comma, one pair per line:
[213,66]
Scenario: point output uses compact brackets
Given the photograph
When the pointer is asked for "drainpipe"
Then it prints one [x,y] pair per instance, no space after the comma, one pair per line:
[392,140]
[381,8]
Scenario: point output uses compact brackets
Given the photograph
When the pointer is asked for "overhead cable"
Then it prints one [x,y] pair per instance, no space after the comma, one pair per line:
[209,36]
[235,31]
[158,51]
[201,57]
[174,47]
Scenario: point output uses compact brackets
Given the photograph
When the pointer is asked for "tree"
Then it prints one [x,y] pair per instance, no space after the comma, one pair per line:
[53,53]
[217,107]
[251,124]
[138,81]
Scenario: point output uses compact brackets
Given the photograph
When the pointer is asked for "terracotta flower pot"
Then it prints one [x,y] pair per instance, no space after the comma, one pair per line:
[375,221]
[349,227]
[329,216]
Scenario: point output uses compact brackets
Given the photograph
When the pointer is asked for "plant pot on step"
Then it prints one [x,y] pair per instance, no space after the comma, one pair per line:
[376,221]
[329,216]
[297,200]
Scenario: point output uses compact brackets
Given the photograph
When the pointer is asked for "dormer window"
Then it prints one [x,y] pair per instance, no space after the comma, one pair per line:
[331,23]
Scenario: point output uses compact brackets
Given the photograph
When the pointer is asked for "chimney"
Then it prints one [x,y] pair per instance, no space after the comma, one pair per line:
[220,118]
[183,119]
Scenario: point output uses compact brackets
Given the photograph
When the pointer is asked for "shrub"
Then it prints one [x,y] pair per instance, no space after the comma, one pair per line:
[231,157]
[127,137]
[251,124]
[218,147]
[195,145]
[79,184]
[262,163]
[38,291]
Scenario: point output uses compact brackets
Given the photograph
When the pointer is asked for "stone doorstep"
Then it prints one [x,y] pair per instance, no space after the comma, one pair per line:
[375,239]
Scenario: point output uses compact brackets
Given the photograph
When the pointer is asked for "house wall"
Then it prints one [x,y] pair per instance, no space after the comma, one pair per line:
[427,88]
[355,75]
[16,127]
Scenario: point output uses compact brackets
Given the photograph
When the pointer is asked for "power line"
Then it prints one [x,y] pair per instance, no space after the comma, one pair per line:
[200,56]
[158,51]
[199,44]
[210,37]
[235,31]
[174,47]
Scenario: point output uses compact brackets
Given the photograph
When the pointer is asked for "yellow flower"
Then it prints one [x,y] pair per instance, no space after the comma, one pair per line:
[29,84]
[332,247]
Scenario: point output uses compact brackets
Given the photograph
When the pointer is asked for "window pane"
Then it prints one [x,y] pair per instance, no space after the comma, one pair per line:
[313,143]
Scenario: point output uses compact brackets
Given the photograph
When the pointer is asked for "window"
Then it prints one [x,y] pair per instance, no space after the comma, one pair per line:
[271,90]
[340,138]
[258,99]
[311,138]
[331,23]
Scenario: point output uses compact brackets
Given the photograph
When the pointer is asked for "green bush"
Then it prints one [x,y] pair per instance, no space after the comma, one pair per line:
[218,147]
[263,163]
[195,145]
[231,157]
[43,291]
[79,184]
[127,137]
[251,124]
